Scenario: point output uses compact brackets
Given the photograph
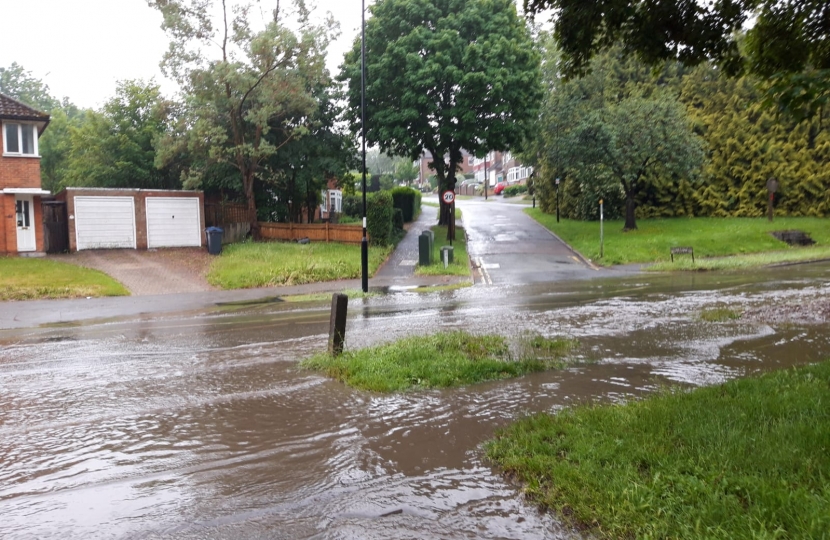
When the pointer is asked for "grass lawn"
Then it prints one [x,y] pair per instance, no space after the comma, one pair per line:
[747,459]
[441,360]
[269,264]
[710,237]
[27,279]
[460,266]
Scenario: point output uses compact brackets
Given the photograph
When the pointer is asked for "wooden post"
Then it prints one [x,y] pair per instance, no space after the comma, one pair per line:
[337,323]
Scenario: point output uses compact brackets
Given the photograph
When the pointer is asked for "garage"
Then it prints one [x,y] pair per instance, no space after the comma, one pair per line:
[105,218]
[104,222]
[173,222]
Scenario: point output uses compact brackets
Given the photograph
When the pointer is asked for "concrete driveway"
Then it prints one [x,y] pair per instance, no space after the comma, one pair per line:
[152,272]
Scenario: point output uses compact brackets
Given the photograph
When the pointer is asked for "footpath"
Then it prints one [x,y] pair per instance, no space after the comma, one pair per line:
[398,273]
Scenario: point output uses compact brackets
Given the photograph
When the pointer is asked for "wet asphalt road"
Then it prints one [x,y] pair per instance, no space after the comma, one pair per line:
[506,246]
[200,424]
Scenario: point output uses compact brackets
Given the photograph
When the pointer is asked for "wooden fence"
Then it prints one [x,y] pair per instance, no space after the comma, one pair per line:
[316,232]
[219,214]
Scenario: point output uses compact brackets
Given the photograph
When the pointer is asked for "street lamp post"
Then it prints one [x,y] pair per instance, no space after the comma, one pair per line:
[364,244]
[486,179]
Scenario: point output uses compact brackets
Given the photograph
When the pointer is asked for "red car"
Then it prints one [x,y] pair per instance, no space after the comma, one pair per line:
[499,188]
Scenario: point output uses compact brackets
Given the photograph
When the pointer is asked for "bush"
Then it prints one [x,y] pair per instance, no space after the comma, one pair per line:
[408,200]
[379,216]
[353,206]
[512,191]
[397,219]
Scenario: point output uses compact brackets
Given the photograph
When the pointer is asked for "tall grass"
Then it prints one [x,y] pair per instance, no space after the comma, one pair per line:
[27,279]
[271,264]
[438,361]
[747,459]
[710,237]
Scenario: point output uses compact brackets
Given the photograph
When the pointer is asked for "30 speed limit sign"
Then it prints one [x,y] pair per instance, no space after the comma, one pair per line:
[449,197]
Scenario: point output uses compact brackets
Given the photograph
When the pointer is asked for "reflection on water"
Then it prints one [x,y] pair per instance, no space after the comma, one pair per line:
[202,426]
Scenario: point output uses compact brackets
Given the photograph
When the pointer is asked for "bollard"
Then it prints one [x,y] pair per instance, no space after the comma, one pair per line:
[424,250]
[447,255]
[337,323]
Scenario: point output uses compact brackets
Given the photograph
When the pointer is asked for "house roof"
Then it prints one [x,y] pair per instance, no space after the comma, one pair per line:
[11,109]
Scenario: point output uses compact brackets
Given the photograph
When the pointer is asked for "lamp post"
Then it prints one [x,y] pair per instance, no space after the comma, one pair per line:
[486,179]
[364,244]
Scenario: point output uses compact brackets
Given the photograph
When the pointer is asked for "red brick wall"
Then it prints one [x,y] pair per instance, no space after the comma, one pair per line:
[17,172]
[139,197]
[8,226]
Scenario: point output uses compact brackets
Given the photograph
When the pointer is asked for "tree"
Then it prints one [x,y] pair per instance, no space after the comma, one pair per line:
[257,82]
[442,76]
[617,133]
[786,46]
[638,142]
[21,85]
[115,147]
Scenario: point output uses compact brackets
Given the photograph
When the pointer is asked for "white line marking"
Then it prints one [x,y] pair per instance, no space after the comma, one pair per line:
[407,263]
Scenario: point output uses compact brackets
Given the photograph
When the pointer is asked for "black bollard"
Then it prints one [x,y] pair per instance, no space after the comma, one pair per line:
[337,325]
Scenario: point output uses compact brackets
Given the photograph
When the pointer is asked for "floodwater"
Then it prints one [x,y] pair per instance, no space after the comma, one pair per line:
[200,425]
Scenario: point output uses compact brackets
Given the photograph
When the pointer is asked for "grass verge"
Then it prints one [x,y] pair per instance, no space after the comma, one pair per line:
[270,264]
[28,279]
[438,361]
[719,315]
[747,459]
[460,266]
[710,237]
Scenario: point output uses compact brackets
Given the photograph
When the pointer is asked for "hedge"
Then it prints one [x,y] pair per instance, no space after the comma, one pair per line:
[408,200]
[379,216]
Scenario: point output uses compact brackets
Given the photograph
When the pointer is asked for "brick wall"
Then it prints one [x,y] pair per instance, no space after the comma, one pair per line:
[8,226]
[17,171]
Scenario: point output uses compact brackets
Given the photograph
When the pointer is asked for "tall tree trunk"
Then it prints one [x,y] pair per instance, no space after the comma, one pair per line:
[630,224]
[248,184]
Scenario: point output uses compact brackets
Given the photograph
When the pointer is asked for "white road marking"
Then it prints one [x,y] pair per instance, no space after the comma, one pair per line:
[407,262]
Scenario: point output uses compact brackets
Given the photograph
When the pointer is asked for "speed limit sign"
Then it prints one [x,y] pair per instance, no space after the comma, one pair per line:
[449,197]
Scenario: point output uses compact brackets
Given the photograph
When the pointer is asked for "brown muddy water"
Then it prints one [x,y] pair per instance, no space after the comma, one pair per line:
[201,425]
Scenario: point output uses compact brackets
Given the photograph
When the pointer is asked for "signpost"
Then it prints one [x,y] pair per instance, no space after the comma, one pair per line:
[557,200]
[449,199]
[600,229]
[772,187]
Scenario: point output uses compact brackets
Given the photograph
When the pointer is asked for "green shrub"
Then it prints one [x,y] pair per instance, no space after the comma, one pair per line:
[353,206]
[512,191]
[408,200]
[397,219]
[379,216]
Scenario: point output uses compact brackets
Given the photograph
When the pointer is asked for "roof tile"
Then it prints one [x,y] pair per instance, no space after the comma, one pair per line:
[13,109]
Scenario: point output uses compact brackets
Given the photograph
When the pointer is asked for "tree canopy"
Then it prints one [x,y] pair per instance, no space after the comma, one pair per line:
[247,92]
[442,76]
[786,44]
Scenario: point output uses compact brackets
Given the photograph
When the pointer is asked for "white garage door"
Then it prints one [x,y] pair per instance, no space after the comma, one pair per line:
[104,222]
[173,222]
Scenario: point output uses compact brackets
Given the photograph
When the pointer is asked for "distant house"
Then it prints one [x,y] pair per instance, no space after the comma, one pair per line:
[20,188]
[424,172]
[500,167]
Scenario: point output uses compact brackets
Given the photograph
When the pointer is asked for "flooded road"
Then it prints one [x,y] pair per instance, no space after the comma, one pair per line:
[200,425]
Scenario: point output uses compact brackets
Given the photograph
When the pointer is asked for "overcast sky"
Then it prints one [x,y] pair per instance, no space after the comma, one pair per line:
[80,48]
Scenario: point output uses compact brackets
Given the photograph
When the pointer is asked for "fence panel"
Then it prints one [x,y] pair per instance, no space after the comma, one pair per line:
[316,232]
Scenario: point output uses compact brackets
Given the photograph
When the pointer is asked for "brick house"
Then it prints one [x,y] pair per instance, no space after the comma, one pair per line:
[20,190]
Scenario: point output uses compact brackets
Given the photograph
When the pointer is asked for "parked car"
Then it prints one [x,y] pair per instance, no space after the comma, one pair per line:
[499,188]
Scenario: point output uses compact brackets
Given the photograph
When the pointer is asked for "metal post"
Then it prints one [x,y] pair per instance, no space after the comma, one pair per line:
[557,200]
[600,229]
[486,178]
[364,244]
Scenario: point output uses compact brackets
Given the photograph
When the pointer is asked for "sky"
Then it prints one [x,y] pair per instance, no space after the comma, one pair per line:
[81,48]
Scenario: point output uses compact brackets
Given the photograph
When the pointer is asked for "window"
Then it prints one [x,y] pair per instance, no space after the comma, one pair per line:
[19,139]
[332,201]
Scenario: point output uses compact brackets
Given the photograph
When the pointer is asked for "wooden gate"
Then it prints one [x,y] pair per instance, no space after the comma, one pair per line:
[55,227]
